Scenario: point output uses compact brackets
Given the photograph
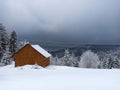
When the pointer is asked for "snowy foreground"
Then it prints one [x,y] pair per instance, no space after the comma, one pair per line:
[58,78]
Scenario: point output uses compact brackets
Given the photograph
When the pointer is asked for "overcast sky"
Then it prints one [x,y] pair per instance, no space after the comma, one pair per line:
[92,21]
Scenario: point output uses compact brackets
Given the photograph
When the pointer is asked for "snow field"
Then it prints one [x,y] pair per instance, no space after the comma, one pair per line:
[58,78]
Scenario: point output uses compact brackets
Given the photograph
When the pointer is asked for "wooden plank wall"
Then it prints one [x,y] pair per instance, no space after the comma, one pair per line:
[30,56]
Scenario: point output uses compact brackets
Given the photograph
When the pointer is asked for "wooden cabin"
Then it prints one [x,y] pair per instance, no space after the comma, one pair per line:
[30,55]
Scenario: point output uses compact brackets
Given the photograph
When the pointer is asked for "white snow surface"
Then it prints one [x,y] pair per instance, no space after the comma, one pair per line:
[58,78]
[41,50]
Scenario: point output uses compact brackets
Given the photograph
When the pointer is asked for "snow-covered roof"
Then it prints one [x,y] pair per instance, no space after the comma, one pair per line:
[41,50]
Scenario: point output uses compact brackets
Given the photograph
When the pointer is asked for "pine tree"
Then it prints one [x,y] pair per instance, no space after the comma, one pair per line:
[111,60]
[56,60]
[67,58]
[3,38]
[21,44]
[74,60]
[110,63]
[6,60]
[13,42]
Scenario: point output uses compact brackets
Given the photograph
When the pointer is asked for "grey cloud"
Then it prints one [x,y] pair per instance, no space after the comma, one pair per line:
[77,20]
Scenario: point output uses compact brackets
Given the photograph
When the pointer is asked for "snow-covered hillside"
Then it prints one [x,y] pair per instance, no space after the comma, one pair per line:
[58,78]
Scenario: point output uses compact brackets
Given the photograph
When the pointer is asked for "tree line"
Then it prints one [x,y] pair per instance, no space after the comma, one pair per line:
[89,59]
[9,44]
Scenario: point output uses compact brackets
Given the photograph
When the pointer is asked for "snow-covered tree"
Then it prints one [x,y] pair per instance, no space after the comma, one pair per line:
[6,60]
[110,61]
[89,60]
[66,59]
[13,42]
[21,44]
[3,38]
[54,60]
[74,60]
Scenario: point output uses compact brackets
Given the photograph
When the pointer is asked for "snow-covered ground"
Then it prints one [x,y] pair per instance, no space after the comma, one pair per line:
[58,78]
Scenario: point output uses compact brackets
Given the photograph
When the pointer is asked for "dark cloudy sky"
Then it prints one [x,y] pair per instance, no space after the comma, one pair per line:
[90,21]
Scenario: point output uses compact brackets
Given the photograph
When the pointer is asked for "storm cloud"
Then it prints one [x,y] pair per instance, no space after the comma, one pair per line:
[92,21]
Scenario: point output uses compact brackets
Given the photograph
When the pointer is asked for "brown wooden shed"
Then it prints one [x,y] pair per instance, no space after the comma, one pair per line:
[30,55]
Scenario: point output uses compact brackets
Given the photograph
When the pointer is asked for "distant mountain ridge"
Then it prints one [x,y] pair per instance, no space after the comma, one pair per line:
[78,50]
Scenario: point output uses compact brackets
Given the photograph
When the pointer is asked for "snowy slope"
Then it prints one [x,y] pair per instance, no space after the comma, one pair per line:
[58,78]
